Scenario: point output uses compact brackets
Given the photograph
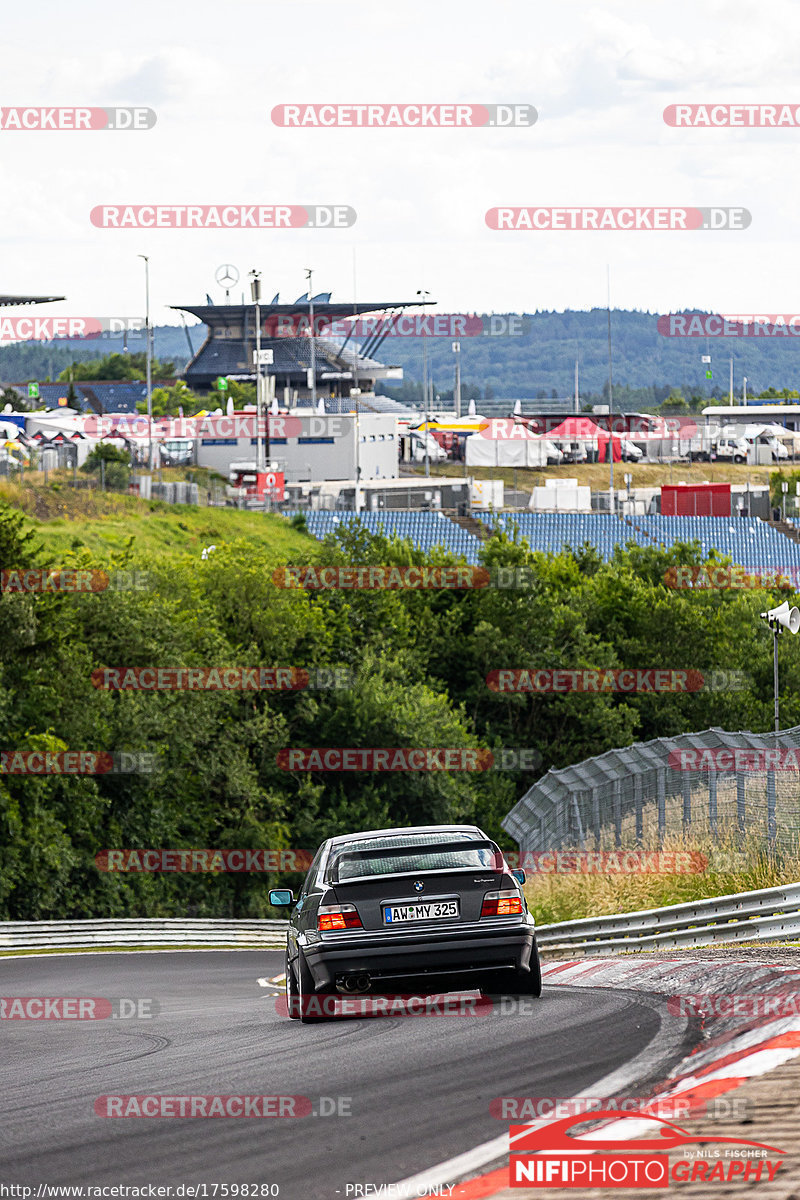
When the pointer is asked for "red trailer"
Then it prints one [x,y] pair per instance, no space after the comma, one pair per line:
[696,500]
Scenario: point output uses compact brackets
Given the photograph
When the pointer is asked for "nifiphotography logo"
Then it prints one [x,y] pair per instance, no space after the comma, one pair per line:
[549,1156]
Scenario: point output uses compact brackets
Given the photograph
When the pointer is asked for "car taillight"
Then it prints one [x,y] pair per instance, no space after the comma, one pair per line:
[501,904]
[337,916]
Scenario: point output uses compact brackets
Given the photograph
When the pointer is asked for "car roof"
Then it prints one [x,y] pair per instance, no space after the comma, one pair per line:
[409,829]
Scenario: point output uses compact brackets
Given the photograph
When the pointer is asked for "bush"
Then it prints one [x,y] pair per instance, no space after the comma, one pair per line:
[117,476]
[103,452]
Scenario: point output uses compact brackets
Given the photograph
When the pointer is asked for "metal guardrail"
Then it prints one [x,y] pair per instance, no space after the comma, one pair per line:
[742,917]
[132,932]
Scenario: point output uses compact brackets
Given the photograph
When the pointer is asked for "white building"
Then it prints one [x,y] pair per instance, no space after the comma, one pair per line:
[316,447]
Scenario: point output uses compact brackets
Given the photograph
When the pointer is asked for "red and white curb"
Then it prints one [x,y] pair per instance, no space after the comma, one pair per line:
[733,1049]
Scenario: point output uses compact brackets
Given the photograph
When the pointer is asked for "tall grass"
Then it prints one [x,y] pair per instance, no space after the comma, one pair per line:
[732,866]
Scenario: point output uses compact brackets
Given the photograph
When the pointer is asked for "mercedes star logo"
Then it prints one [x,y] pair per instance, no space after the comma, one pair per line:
[226,275]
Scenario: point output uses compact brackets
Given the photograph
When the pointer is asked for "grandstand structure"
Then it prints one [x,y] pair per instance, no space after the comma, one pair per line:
[748,542]
[426,530]
[340,364]
[103,396]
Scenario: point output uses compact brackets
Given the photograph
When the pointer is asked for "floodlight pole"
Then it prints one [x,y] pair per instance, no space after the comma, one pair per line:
[424,294]
[255,285]
[457,389]
[313,347]
[148,361]
[610,401]
[775,632]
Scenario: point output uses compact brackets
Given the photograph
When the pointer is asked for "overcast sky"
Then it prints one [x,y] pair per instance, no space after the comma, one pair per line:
[599,74]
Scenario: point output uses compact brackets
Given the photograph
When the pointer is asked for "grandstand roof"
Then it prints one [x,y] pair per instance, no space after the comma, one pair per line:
[8,301]
[218,314]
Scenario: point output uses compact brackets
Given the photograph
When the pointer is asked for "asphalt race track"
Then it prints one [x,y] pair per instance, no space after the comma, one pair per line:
[419,1088]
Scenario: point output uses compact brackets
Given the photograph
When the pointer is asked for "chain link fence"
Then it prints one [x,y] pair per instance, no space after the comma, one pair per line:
[714,787]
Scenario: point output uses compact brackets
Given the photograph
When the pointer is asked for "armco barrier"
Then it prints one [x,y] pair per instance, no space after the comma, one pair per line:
[742,917]
[167,931]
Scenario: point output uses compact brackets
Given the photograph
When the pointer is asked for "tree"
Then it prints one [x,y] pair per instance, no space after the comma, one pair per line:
[11,396]
[674,403]
[118,366]
[112,462]
[784,394]
[168,401]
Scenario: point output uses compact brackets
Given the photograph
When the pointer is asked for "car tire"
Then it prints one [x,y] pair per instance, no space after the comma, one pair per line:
[292,1005]
[738,458]
[306,990]
[521,983]
[529,983]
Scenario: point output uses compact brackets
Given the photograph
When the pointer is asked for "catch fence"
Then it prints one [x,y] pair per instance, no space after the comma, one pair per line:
[714,787]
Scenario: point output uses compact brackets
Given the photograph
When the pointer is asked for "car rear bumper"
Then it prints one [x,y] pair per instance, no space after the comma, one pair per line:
[463,954]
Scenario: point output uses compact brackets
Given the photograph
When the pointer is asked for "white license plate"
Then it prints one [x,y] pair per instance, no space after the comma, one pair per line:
[430,910]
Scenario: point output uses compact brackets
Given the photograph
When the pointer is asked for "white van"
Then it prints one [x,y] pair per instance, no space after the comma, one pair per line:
[436,453]
[732,449]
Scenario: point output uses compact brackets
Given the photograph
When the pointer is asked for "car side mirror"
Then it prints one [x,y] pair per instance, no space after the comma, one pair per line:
[519,875]
[281,897]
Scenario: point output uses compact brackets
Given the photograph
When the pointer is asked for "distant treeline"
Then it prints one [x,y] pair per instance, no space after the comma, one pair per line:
[646,365]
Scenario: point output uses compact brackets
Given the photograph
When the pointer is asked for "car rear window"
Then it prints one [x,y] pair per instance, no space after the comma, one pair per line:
[425,852]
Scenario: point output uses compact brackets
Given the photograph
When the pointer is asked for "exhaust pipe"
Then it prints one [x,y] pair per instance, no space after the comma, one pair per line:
[354,983]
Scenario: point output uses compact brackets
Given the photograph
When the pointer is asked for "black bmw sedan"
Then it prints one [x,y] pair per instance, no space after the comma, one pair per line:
[391,911]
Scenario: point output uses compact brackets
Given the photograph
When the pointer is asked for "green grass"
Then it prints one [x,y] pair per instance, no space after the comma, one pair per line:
[128,949]
[554,898]
[103,522]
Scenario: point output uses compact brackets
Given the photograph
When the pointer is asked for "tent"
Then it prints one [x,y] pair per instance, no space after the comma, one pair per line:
[528,451]
[584,429]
